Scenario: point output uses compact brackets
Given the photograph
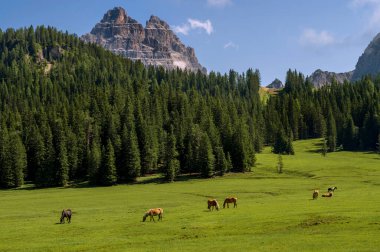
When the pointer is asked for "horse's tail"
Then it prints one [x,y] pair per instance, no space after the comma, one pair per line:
[224,204]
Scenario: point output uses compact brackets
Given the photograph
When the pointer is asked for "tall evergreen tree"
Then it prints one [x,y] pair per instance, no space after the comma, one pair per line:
[171,162]
[108,168]
[206,157]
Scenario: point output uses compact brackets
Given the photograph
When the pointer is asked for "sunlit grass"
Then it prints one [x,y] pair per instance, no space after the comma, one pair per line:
[275,211]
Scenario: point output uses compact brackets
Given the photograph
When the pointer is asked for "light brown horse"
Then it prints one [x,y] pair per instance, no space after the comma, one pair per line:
[315,194]
[66,214]
[328,194]
[230,200]
[153,212]
[211,204]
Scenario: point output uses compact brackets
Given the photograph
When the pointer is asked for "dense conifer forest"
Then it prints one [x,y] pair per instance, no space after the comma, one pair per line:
[74,111]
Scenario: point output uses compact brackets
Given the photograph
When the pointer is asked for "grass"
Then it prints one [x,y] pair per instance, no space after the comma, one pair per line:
[275,211]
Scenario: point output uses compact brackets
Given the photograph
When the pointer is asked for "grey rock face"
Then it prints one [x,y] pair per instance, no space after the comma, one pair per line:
[156,44]
[277,84]
[320,78]
[369,61]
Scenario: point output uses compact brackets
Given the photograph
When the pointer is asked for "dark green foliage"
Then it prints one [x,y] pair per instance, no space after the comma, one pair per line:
[108,174]
[331,132]
[206,157]
[171,163]
[283,144]
[68,110]
[324,147]
[221,163]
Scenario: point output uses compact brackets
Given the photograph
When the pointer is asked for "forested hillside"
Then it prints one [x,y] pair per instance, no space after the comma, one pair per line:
[74,111]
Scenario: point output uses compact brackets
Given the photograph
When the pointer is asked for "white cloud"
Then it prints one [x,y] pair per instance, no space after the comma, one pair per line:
[311,37]
[219,3]
[231,45]
[184,29]
[193,24]
[206,25]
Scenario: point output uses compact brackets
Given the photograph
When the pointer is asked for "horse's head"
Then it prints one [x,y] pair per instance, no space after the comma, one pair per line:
[144,217]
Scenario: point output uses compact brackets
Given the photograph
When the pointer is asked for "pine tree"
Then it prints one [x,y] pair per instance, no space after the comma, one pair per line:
[130,155]
[324,147]
[171,162]
[280,164]
[108,169]
[206,157]
[349,135]
[6,174]
[331,132]
[221,164]
[18,159]
[94,162]
[61,162]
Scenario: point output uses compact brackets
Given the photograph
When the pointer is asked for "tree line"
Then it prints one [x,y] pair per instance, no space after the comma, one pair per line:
[74,111]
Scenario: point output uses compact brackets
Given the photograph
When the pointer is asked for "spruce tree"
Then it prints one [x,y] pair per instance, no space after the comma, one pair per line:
[94,162]
[18,159]
[221,164]
[280,164]
[171,162]
[331,132]
[108,168]
[206,157]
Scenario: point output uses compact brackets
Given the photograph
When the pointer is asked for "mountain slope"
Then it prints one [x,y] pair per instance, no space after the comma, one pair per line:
[320,78]
[369,61]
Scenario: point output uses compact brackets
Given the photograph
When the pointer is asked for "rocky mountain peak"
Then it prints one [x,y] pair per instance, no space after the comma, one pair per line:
[320,78]
[156,22]
[156,44]
[115,16]
[369,61]
[276,84]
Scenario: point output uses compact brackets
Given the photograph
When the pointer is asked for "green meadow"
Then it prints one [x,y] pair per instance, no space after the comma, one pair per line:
[275,211]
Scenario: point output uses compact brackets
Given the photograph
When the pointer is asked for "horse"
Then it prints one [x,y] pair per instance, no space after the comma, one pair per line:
[328,195]
[230,200]
[211,204]
[315,194]
[332,189]
[66,214]
[153,212]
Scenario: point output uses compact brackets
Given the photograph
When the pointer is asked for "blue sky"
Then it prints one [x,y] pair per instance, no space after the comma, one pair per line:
[271,35]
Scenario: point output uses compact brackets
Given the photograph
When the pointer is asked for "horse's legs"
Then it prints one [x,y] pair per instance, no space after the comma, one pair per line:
[69,219]
[235,204]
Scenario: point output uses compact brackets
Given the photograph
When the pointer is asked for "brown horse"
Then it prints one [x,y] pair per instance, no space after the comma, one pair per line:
[66,214]
[328,195]
[230,200]
[153,212]
[211,204]
[315,194]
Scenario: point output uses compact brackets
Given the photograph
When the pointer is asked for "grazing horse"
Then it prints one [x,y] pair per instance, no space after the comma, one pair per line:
[230,200]
[66,214]
[211,204]
[153,212]
[328,195]
[315,194]
[332,189]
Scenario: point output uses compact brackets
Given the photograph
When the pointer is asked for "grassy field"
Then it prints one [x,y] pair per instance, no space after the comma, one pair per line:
[275,211]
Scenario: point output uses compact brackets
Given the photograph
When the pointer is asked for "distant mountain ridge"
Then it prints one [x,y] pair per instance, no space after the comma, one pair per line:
[368,64]
[156,44]
[320,78]
[277,84]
